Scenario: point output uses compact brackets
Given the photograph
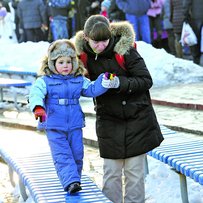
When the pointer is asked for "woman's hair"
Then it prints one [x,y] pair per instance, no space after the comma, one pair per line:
[97,27]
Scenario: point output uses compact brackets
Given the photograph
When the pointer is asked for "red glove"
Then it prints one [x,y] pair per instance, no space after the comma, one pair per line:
[40,113]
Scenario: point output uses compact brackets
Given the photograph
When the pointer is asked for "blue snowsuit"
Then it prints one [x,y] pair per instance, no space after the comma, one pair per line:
[59,95]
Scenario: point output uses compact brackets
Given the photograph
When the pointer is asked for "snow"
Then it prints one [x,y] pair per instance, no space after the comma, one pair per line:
[162,184]
[164,68]
[25,56]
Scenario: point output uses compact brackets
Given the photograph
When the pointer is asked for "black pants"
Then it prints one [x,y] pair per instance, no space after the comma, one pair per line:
[196,25]
[34,34]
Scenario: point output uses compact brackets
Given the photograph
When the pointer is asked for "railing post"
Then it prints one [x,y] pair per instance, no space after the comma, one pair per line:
[10,171]
[146,166]
[22,190]
[183,188]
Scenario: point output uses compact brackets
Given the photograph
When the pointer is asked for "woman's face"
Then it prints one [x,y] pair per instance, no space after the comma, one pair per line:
[64,65]
[98,46]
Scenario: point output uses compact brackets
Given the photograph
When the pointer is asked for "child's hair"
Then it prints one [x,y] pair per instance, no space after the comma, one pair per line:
[97,27]
[60,48]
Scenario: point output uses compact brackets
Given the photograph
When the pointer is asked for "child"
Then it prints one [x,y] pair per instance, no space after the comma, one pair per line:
[54,99]
[104,7]
[7,26]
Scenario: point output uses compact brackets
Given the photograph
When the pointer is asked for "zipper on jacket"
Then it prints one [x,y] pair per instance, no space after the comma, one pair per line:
[96,57]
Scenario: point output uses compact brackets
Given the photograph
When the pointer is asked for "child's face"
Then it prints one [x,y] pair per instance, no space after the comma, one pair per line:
[64,65]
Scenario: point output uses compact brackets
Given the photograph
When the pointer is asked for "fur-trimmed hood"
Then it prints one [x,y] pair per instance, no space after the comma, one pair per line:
[59,48]
[123,29]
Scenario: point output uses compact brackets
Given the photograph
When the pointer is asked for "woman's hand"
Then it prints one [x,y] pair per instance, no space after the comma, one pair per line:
[110,80]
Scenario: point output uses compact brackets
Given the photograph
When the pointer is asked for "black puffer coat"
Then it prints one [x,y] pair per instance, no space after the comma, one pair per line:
[126,124]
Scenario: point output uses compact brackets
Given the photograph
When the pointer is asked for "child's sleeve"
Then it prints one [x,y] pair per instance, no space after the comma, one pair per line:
[37,94]
[93,88]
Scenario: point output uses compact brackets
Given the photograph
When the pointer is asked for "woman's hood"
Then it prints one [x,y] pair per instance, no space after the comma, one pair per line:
[123,29]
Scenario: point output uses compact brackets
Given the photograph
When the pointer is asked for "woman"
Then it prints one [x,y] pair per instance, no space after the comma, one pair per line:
[126,124]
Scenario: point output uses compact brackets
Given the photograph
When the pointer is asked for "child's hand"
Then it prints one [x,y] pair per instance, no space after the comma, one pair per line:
[40,113]
[110,80]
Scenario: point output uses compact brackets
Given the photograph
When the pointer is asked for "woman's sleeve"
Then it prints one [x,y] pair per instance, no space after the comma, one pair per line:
[139,78]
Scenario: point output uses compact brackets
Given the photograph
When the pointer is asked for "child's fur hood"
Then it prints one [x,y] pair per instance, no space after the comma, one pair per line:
[45,70]
[123,29]
[59,48]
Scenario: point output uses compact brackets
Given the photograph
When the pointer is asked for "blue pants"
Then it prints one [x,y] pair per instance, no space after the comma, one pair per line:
[196,25]
[59,27]
[67,152]
[141,27]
